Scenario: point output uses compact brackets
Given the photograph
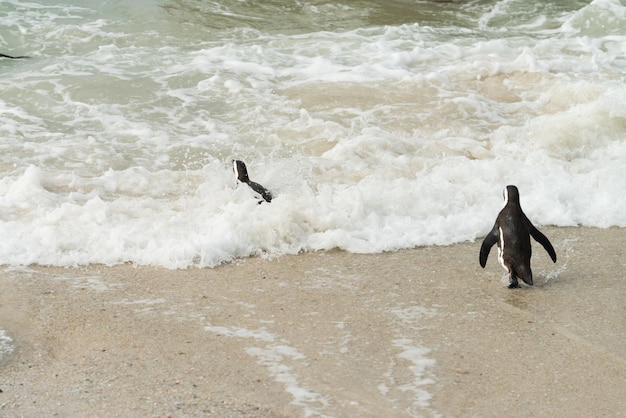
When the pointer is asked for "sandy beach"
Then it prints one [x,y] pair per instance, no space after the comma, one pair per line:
[422,332]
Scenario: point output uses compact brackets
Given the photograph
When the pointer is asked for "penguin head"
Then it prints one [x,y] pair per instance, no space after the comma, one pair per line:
[240,171]
[511,195]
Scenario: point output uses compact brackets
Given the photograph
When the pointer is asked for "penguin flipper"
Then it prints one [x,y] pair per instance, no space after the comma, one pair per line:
[488,242]
[542,239]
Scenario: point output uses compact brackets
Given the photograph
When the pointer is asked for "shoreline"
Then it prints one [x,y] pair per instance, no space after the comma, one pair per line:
[419,332]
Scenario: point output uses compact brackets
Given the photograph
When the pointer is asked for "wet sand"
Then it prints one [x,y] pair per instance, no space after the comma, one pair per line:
[423,332]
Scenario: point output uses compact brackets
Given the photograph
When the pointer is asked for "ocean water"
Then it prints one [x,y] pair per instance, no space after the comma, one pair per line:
[376,125]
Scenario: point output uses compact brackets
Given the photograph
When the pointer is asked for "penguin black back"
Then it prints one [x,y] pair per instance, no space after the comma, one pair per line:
[241,172]
[511,232]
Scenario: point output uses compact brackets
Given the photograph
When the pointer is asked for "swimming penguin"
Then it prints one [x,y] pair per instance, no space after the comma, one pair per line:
[512,232]
[241,172]
[12,57]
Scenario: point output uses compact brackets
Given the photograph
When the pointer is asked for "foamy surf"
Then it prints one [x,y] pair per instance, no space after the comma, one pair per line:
[375,129]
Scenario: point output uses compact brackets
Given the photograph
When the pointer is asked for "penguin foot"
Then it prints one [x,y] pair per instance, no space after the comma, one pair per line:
[514,284]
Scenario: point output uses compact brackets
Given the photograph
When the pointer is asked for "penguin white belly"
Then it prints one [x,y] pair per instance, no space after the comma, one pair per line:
[501,250]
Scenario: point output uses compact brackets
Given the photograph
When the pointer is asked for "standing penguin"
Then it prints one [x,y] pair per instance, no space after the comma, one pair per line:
[241,172]
[512,232]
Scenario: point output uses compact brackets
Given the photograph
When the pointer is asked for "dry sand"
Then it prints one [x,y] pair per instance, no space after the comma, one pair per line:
[423,332]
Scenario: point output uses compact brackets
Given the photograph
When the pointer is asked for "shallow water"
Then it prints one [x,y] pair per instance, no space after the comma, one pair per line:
[377,126]
[6,346]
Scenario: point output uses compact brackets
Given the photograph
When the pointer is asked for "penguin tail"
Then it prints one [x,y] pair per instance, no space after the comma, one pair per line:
[526,275]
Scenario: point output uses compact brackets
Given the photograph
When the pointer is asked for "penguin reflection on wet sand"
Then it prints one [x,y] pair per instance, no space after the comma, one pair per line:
[512,232]
[241,172]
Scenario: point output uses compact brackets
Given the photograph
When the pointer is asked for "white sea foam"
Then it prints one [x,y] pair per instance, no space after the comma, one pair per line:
[141,302]
[275,356]
[261,334]
[6,344]
[420,365]
[117,135]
